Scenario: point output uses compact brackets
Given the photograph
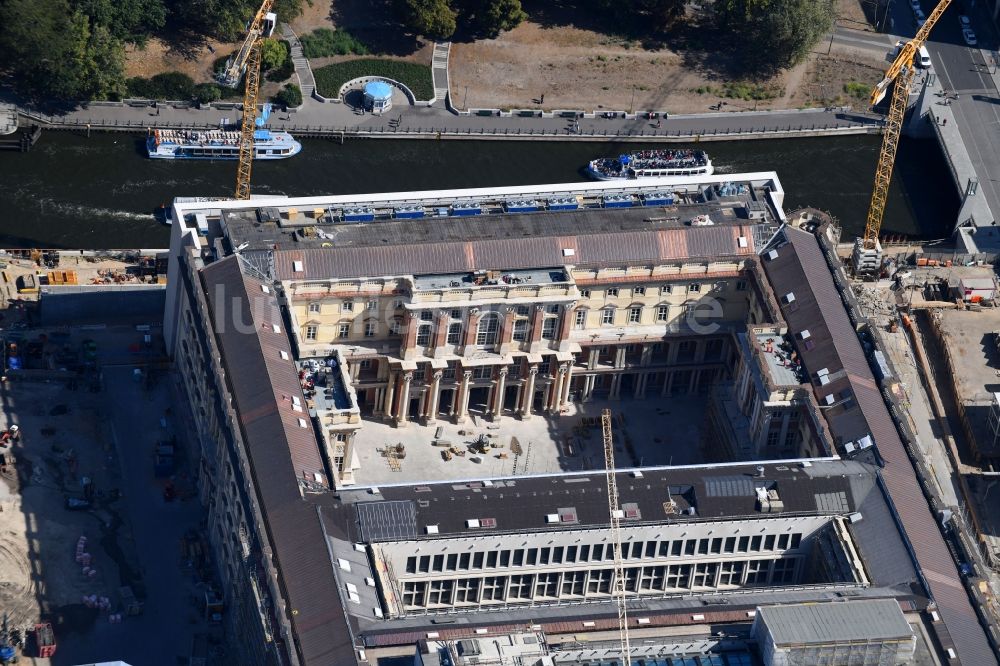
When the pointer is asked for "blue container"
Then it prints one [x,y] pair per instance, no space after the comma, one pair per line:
[358,214]
[616,201]
[408,213]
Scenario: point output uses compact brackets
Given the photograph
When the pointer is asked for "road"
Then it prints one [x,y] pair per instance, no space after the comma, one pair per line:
[971,74]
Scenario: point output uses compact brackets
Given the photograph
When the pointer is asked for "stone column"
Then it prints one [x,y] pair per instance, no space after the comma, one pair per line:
[435,397]
[528,393]
[471,328]
[588,388]
[463,398]
[594,354]
[556,389]
[647,355]
[620,356]
[404,399]
[535,336]
[506,331]
[566,325]
[640,385]
[498,390]
[410,323]
[390,393]
[440,333]
[566,385]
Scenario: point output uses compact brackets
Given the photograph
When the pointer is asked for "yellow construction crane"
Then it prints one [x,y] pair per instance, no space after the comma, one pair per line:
[868,251]
[247,59]
[615,513]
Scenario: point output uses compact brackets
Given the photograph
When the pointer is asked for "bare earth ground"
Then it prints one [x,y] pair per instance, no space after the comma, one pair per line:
[579,68]
[157,57]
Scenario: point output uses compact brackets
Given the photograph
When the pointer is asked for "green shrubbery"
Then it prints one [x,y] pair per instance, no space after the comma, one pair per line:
[324,42]
[858,90]
[165,86]
[415,77]
[289,96]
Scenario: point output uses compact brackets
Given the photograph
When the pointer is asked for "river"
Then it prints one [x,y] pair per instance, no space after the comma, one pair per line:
[100,192]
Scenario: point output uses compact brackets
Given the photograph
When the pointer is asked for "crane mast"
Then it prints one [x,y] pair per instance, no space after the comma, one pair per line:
[248,59]
[615,513]
[867,250]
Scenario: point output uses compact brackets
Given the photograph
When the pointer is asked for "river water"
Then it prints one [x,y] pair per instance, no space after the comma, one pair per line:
[100,192]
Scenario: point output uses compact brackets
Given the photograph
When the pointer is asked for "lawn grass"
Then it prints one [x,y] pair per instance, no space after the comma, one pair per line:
[415,77]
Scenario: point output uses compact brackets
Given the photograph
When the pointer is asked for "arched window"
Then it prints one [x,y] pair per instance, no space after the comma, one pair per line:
[489,326]
[424,335]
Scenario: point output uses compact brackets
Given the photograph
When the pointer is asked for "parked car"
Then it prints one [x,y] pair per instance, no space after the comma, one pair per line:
[969,37]
[964,21]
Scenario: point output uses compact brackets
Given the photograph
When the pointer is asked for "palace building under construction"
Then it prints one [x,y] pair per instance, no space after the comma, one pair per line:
[399,399]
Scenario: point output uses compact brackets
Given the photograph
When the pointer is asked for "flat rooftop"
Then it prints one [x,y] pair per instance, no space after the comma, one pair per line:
[777,352]
[512,277]
[665,431]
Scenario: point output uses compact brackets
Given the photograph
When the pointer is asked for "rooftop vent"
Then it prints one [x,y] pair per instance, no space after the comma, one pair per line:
[805,334]
[631,510]
[567,515]
[830,399]
[789,297]
[432,529]
[472,523]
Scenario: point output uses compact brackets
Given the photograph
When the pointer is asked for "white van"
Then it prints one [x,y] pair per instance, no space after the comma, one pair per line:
[923,58]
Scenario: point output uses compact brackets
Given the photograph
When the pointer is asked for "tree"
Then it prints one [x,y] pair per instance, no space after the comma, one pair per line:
[273,54]
[128,20]
[496,16]
[433,18]
[206,93]
[645,15]
[773,34]
[289,96]
[53,52]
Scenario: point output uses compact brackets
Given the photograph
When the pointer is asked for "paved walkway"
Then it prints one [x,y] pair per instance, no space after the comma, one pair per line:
[439,72]
[302,69]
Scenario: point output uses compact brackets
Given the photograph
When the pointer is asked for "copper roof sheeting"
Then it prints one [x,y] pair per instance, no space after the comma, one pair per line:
[282,456]
[516,253]
[801,267]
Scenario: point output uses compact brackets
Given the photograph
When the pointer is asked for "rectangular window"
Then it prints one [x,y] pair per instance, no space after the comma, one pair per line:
[783,571]
[662,312]
[634,315]
[756,572]
[344,331]
[580,319]
[477,560]
[744,544]
[520,333]
[311,332]
[679,577]
[608,316]
[423,336]
[730,546]
[549,328]
[372,306]
[639,291]
[543,555]
[694,287]
[675,548]
[397,304]
[572,585]
[716,546]
[411,564]
[664,549]
[505,558]
[557,555]
[584,553]
[314,308]
[612,293]
[426,315]
[665,289]
[598,552]
[463,561]
[348,306]
[689,546]
[425,563]
[769,542]
[491,559]
[532,557]
[584,293]
[796,539]
[703,546]
[730,573]
[452,562]
[741,285]
[650,549]
[454,334]
[522,310]
[518,557]
[570,554]
[370,329]
[704,574]
[783,541]
[438,563]
[755,543]
[493,588]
